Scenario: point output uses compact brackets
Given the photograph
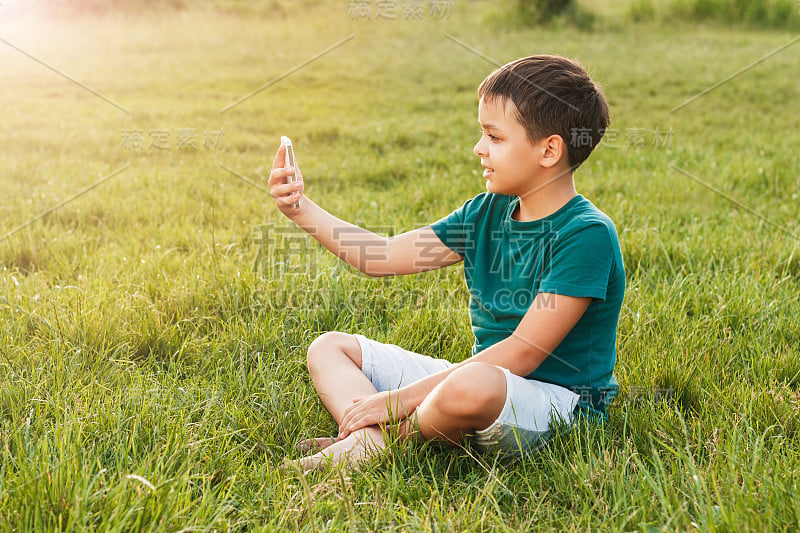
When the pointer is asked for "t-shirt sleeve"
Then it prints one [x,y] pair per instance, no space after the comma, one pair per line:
[453,229]
[580,264]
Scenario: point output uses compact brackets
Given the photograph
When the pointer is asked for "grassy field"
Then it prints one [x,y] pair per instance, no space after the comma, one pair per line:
[153,330]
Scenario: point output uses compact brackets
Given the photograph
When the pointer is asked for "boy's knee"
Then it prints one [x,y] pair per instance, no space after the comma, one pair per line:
[474,389]
[333,342]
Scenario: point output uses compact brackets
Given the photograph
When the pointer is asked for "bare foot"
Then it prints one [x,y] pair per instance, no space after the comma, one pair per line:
[356,449]
[314,445]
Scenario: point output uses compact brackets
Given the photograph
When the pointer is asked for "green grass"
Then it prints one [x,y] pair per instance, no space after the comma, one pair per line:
[153,331]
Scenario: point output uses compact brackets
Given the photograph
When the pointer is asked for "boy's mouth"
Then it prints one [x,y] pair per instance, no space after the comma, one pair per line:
[487,171]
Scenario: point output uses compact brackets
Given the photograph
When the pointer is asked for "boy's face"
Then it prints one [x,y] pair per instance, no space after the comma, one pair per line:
[509,158]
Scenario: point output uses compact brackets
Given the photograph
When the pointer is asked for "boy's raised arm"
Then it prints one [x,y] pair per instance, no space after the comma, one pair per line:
[411,252]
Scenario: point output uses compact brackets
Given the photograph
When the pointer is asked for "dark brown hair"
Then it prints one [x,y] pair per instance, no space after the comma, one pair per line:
[553,95]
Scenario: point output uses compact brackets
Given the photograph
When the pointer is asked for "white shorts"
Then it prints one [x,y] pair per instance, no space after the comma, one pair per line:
[524,424]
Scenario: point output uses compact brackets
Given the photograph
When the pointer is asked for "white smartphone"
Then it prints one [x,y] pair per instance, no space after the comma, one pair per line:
[290,162]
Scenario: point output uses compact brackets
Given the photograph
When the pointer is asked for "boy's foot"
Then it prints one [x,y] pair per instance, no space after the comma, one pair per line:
[356,449]
[314,445]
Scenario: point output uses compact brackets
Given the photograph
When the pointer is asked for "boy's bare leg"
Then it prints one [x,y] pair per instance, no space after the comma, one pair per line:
[334,363]
[469,399]
[455,408]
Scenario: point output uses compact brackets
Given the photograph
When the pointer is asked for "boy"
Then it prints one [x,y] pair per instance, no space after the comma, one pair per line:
[544,271]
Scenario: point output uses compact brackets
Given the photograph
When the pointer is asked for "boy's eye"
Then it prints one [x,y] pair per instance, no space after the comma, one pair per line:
[491,137]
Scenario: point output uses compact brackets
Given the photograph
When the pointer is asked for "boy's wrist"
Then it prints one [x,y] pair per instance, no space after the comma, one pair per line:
[303,215]
[412,395]
[407,398]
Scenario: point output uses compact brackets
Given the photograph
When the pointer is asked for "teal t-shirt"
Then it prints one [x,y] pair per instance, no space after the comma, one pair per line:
[573,252]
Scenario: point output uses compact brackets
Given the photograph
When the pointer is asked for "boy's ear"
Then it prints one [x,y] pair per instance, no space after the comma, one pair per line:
[554,149]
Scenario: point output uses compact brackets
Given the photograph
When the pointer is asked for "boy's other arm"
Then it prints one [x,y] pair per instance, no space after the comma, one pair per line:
[546,323]
[548,320]
[411,252]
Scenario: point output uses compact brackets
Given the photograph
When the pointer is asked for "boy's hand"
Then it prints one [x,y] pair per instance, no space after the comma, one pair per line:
[381,408]
[286,194]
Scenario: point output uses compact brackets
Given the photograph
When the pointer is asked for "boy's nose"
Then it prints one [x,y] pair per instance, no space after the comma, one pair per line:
[478,150]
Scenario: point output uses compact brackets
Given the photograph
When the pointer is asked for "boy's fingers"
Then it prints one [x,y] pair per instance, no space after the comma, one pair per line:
[279,175]
[280,158]
[343,425]
[287,201]
[283,189]
[348,424]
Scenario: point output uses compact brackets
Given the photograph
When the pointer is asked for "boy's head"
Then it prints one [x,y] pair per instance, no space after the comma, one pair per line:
[552,95]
